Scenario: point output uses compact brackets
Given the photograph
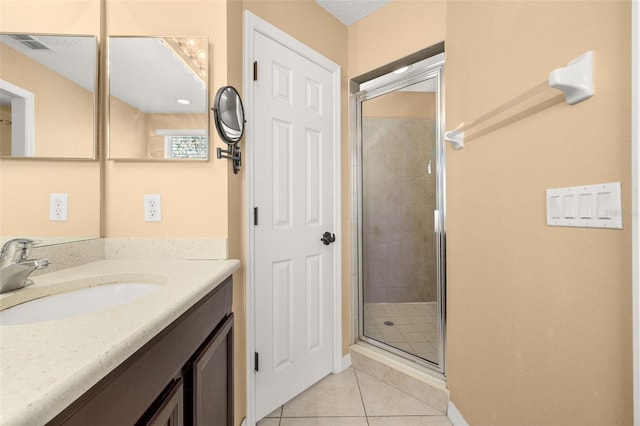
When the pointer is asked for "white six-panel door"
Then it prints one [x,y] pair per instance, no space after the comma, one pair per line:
[294,194]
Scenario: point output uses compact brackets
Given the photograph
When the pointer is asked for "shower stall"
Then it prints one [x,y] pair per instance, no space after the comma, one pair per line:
[399,182]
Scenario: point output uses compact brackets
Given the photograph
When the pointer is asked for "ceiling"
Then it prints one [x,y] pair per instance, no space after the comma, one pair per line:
[351,11]
[73,57]
[137,79]
[140,69]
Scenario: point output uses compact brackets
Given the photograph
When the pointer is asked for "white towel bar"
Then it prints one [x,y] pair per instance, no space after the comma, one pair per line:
[575,81]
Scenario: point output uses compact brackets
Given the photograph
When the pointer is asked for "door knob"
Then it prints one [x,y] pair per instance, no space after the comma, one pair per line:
[328,238]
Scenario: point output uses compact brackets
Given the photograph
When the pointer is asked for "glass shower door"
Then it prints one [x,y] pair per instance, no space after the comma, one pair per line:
[401,254]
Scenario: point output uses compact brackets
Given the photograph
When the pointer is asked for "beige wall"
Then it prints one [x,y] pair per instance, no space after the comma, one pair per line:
[539,318]
[128,136]
[187,209]
[538,332]
[394,31]
[25,185]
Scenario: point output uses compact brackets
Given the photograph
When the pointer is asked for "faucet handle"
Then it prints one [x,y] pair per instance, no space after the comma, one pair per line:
[17,249]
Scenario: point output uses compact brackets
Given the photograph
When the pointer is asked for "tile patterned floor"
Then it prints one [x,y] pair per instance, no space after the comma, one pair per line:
[411,327]
[354,398]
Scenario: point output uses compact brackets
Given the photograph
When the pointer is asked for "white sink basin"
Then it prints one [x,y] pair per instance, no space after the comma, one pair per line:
[78,302]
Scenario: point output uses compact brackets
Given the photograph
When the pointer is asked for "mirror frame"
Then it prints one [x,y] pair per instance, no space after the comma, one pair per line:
[96,100]
[218,116]
[107,94]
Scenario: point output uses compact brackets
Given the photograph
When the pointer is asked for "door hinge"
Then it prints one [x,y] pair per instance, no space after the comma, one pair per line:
[255,216]
[255,71]
[257,361]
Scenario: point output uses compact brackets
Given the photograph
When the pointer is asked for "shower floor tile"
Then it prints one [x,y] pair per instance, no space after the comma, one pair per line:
[411,327]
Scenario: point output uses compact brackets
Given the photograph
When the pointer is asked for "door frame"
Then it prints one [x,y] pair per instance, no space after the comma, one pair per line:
[252,24]
[23,136]
[635,195]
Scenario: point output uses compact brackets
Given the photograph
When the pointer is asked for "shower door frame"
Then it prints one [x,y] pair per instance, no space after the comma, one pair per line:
[432,67]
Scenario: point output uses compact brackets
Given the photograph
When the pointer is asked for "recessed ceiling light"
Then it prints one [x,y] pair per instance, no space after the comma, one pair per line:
[403,69]
[184,101]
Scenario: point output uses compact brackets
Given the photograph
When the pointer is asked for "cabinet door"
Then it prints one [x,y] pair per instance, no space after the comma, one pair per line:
[212,379]
[170,411]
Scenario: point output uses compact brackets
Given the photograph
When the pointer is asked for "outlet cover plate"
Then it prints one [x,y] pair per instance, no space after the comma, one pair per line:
[152,208]
[58,207]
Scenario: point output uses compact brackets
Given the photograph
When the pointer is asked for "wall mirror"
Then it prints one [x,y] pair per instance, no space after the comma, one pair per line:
[158,98]
[229,118]
[48,96]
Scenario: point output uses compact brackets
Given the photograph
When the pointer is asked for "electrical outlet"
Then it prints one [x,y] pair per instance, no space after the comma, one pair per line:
[152,208]
[58,207]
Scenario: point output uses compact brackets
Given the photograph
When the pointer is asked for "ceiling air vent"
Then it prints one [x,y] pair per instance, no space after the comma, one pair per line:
[30,42]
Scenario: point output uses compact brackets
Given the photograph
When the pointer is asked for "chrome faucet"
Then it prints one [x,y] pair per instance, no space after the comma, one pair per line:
[15,266]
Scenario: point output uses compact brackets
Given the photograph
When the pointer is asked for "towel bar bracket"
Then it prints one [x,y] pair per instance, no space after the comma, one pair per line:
[575,80]
[457,139]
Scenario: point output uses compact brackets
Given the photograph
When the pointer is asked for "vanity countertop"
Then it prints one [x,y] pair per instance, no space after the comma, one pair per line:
[45,366]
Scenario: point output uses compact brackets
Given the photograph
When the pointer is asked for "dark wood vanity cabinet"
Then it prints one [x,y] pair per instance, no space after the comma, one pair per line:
[211,380]
[183,376]
[170,408]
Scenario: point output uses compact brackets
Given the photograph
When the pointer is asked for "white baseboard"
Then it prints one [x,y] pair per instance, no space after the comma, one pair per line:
[455,416]
[346,362]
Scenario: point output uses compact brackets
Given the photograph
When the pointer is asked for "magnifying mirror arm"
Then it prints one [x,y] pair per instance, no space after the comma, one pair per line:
[231,153]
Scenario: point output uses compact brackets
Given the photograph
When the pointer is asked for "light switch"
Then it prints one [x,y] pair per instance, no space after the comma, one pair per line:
[569,204]
[555,209]
[604,205]
[586,206]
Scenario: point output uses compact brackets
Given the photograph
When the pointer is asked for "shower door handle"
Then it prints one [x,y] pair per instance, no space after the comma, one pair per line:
[328,238]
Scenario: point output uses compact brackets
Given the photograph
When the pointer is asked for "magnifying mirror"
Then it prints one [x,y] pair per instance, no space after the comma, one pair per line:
[229,118]
[229,115]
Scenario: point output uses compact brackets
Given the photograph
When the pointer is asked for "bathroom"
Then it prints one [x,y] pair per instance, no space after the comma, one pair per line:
[539,327]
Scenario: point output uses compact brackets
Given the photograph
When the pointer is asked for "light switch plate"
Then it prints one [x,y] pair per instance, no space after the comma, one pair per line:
[590,206]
